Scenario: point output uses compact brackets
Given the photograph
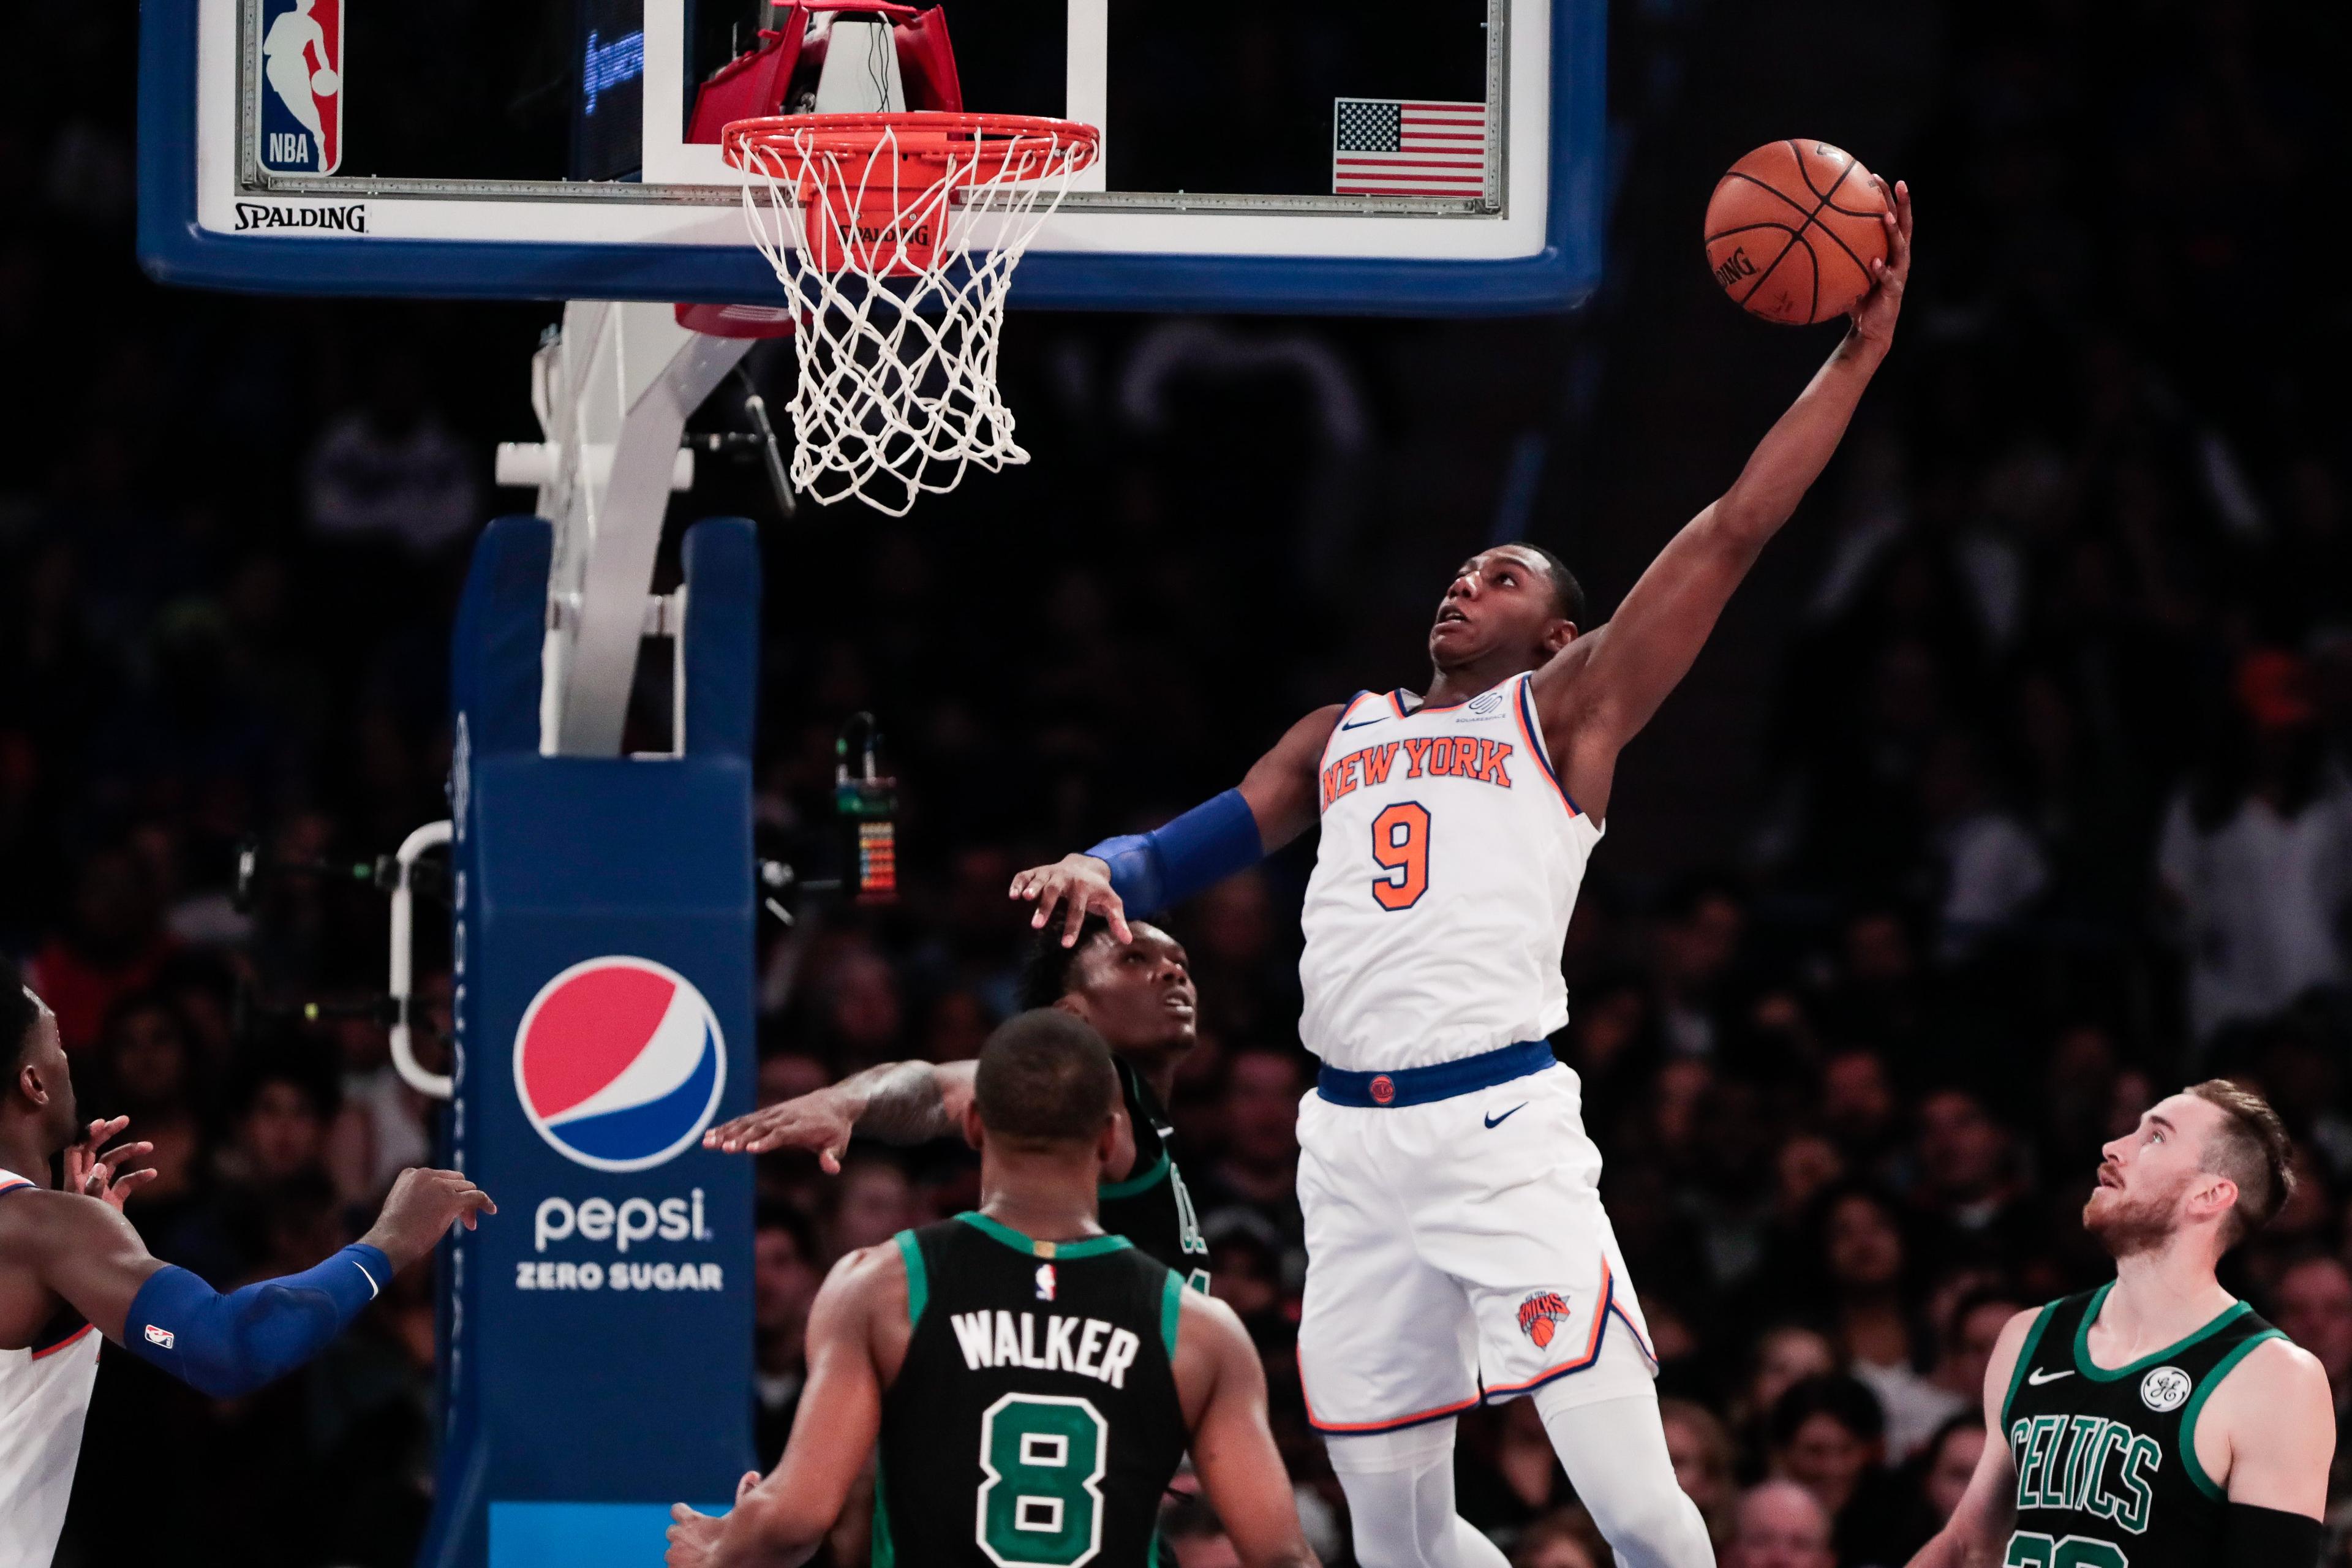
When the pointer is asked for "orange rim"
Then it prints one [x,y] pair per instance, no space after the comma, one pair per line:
[932,136]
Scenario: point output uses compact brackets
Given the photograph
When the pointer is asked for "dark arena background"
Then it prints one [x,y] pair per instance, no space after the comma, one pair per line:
[2014,790]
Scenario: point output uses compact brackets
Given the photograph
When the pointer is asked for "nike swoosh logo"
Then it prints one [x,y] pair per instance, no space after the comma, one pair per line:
[2038,1378]
[1498,1121]
[1375,719]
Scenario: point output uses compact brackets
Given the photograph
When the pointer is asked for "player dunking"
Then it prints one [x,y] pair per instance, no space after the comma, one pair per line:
[1456,1245]
[70,1263]
[2157,1421]
[1033,1382]
[1138,993]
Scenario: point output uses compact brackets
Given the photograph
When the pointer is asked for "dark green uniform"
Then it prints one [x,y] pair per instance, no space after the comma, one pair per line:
[1151,1208]
[1034,1421]
[2106,1462]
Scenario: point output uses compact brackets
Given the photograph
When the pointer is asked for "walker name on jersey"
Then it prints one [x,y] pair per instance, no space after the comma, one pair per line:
[2085,1464]
[1433,756]
[1087,1346]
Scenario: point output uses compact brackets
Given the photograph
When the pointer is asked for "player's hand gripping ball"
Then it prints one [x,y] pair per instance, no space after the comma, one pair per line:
[1792,230]
[325,82]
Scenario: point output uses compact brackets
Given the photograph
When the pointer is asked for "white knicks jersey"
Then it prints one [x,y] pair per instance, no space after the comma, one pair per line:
[44,1399]
[1449,866]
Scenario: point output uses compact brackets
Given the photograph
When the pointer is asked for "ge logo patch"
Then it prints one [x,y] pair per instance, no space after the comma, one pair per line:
[619,1063]
[2164,1389]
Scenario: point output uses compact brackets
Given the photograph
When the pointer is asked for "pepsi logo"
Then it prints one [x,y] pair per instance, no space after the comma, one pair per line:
[619,1063]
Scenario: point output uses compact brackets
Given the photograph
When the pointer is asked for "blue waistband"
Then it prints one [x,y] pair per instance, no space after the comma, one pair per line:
[1443,1080]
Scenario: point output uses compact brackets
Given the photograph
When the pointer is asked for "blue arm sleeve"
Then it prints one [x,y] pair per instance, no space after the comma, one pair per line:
[1150,871]
[230,1345]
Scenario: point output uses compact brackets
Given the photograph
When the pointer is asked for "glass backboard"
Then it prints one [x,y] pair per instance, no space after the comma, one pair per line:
[1423,158]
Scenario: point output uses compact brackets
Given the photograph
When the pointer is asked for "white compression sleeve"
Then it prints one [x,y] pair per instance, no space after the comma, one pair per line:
[1400,1487]
[1615,1455]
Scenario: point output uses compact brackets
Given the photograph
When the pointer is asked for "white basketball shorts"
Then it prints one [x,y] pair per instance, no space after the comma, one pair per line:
[1457,1251]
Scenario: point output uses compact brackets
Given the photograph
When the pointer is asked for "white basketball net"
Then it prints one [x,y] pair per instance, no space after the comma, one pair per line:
[898,353]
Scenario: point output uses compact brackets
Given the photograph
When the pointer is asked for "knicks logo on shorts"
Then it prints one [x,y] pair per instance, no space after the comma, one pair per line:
[619,1063]
[1540,1315]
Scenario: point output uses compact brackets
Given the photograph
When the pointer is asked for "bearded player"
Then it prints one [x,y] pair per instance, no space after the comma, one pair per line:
[1457,1250]
[2157,1421]
[1138,993]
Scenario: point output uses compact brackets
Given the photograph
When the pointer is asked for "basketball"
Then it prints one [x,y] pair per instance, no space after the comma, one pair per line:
[1791,231]
[325,82]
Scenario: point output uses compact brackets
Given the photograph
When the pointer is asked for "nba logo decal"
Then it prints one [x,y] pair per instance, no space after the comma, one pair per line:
[618,1063]
[1540,1313]
[301,71]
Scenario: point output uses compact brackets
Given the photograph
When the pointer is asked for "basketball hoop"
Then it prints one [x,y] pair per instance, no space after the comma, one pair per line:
[895,237]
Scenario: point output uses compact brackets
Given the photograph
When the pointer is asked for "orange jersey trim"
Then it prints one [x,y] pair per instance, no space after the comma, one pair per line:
[1395,1424]
[1523,709]
[69,1341]
[1591,1343]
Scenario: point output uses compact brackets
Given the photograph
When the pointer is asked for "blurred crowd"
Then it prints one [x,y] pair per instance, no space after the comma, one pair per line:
[2056,811]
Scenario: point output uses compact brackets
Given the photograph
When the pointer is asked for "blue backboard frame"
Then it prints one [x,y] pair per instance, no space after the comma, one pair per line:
[174,249]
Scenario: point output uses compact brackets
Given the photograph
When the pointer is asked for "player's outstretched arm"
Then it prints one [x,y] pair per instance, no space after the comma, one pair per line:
[1601,689]
[780,1522]
[897,1102]
[1139,873]
[1232,1449]
[2272,1423]
[1978,1533]
[225,1345]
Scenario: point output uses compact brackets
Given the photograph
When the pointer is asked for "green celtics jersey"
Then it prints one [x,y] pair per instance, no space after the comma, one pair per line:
[2106,1460]
[1151,1208]
[1035,1423]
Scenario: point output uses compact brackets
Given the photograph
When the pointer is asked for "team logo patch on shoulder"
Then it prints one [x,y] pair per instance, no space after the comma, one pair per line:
[1540,1316]
[2164,1389]
[1047,1283]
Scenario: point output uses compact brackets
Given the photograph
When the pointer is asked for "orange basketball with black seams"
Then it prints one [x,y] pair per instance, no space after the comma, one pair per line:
[1791,231]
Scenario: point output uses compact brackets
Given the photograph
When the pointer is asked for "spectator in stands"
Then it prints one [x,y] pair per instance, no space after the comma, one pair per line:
[2257,854]
[2312,1305]
[1700,1446]
[1969,1187]
[873,1201]
[784,1280]
[1784,1356]
[1563,1540]
[1966,1346]
[1828,1435]
[1944,1466]
[1861,1262]
[114,945]
[1259,1168]
[1779,1524]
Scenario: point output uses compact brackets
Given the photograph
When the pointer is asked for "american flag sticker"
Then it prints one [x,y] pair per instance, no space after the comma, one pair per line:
[1394,147]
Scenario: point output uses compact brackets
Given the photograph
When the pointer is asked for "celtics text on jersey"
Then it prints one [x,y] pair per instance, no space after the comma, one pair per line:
[1151,1207]
[2105,1456]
